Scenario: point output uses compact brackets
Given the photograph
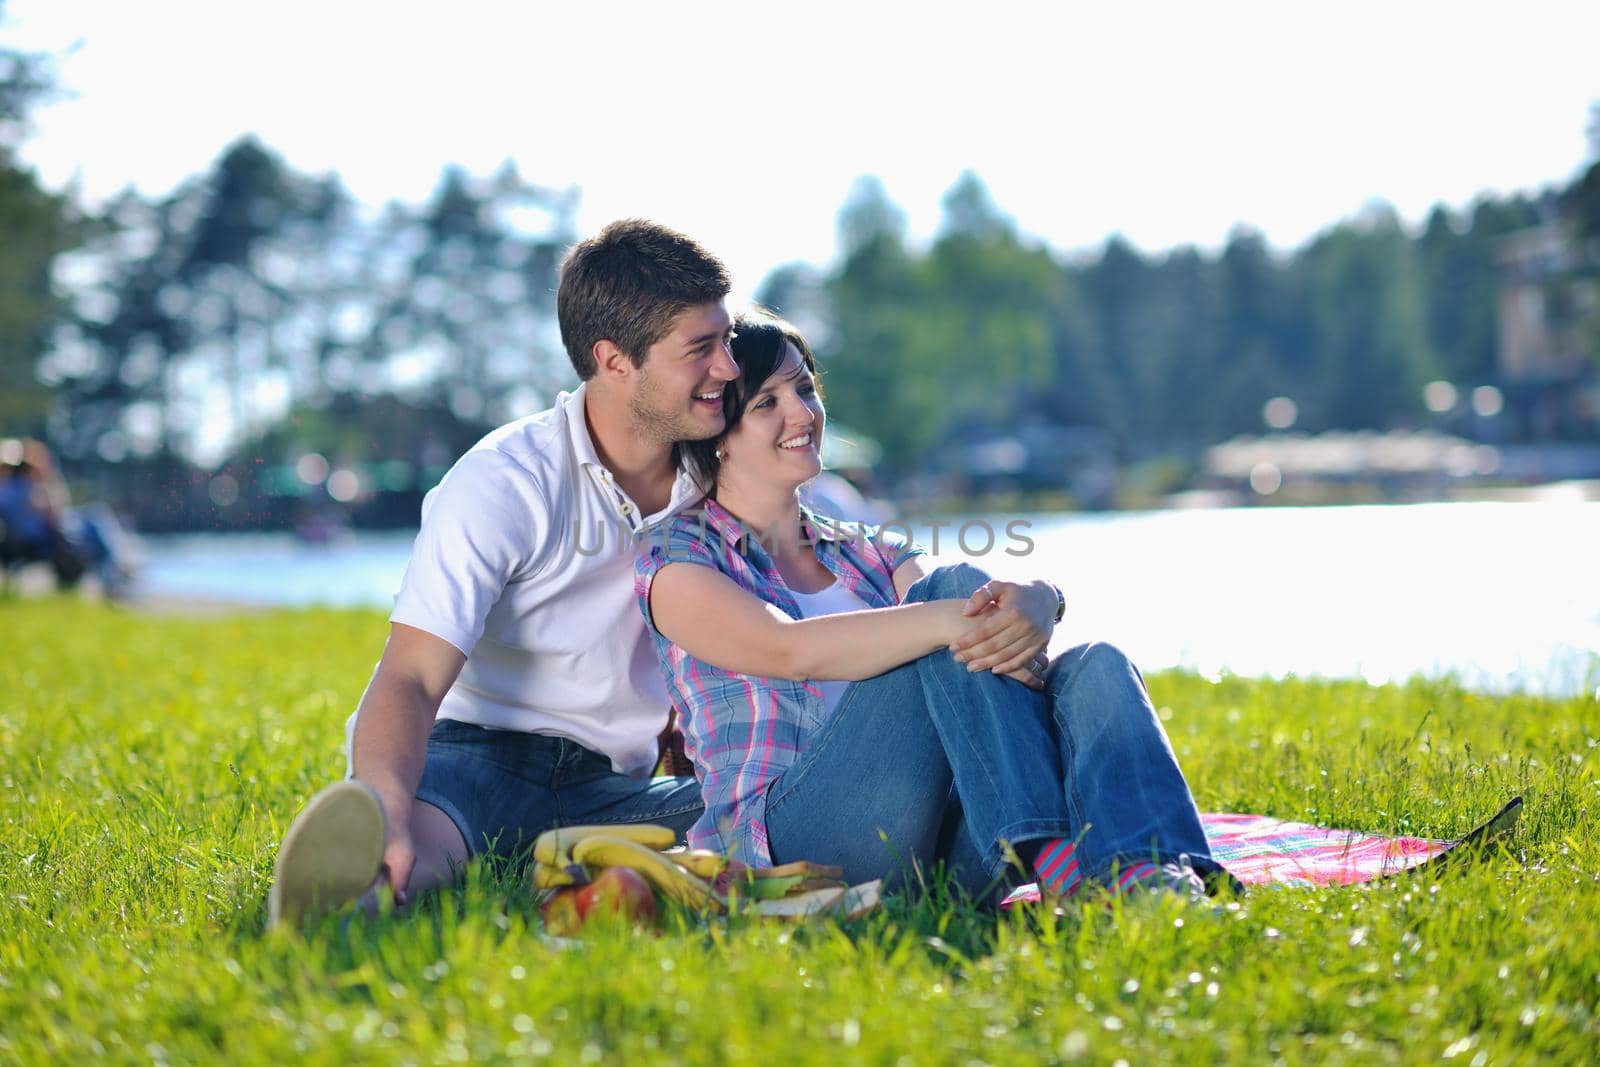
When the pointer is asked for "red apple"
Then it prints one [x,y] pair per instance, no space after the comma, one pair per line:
[618,891]
[562,915]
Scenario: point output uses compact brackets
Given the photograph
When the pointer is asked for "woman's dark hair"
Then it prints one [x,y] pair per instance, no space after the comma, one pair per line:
[760,341]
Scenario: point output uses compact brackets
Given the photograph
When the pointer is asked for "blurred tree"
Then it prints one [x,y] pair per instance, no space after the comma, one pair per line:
[1187,327]
[473,315]
[1117,289]
[923,344]
[239,277]
[1369,327]
[970,213]
[1583,203]
[1583,199]
[798,292]
[1080,389]
[1581,206]
[207,315]
[1460,280]
[112,360]
[37,226]
[872,293]
[984,339]
[1261,351]
[869,217]
[196,294]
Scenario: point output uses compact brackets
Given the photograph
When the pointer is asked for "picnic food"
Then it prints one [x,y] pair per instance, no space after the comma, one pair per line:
[786,879]
[701,862]
[669,879]
[560,912]
[619,891]
[553,848]
[623,869]
[553,877]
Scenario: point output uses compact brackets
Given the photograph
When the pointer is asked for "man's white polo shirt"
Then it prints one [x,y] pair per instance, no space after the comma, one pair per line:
[525,563]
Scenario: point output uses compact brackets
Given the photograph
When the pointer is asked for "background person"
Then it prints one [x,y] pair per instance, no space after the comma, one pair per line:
[38,523]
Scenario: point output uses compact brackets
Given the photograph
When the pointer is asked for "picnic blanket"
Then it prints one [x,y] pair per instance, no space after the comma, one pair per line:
[1260,850]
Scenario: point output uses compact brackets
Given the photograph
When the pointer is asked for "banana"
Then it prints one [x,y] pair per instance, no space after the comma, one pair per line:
[545,877]
[700,862]
[553,848]
[675,883]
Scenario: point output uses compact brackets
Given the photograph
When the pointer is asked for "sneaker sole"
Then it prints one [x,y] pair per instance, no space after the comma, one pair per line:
[331,854]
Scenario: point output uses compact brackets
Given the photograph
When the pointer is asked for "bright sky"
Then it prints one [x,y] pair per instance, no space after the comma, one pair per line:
[744,124]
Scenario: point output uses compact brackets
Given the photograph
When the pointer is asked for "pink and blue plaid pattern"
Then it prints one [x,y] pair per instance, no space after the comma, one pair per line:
[741,732]
[1260,850]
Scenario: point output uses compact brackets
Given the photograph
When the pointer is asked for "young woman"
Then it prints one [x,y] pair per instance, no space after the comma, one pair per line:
[844,703]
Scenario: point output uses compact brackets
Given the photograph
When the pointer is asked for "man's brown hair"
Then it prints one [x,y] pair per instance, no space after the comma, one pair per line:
[626,284]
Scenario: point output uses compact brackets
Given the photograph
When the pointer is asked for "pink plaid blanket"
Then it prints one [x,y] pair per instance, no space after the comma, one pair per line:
[1259,850]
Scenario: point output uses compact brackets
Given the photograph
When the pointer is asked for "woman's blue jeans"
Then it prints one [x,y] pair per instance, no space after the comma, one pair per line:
[932,762]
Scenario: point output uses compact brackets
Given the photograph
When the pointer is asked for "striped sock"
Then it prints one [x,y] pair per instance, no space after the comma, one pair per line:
[1057,867]
[1134,874]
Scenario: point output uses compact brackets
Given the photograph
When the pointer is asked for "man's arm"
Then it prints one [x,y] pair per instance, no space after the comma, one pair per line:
[391,735]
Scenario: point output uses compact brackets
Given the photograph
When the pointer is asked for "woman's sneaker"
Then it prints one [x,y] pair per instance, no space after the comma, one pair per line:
[331,854]
[1178,879]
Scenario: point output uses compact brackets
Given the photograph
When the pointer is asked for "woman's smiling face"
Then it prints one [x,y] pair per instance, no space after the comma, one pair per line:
[778,441]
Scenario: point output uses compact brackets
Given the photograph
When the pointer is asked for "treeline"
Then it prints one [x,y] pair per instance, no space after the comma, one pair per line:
[256,313]
[35,227]
[985,332]
[203,317]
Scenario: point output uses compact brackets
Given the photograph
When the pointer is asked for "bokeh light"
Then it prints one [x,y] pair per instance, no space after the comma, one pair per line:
[1266,479]
[312,468]
[1440,397]
[223,490]
[1487,401]
[1280,412]
[343,485]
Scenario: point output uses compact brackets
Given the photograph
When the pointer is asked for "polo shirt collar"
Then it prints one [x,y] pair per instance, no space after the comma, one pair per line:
[684,489]
[578,426]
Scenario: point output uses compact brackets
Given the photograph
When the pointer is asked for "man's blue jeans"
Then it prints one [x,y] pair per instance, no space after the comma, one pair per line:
[1086,759]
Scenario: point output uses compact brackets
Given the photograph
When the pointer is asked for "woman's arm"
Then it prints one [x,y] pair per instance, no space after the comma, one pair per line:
[713,619]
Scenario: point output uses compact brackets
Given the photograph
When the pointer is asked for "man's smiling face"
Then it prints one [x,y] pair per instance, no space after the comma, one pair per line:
[677,390]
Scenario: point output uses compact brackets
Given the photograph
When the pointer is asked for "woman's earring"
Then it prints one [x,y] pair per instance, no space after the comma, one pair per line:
[718,453]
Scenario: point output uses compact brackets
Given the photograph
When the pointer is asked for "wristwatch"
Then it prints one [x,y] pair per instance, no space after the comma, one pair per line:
[1061,601]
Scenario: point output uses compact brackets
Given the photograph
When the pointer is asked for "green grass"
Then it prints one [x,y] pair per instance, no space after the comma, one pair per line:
[150,765]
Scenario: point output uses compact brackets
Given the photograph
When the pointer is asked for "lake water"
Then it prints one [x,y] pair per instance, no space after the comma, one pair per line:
[1503,596]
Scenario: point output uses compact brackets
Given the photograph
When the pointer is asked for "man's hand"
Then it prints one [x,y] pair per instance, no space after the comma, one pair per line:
[399,857]
[1012,625]
[391,736]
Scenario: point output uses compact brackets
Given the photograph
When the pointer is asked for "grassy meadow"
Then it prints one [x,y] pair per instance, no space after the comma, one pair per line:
[148,767]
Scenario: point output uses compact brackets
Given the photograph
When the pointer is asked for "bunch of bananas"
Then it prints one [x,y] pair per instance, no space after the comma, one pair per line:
[571,855]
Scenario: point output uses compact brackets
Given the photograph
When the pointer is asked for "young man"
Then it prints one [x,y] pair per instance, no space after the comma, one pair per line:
[517,690]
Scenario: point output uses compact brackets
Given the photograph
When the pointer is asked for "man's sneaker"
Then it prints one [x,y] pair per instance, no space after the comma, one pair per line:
[331,854]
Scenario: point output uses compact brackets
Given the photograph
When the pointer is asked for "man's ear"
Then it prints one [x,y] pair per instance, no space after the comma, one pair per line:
[611,362]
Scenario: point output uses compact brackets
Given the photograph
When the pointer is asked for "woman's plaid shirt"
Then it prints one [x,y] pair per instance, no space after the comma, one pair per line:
[743,731]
